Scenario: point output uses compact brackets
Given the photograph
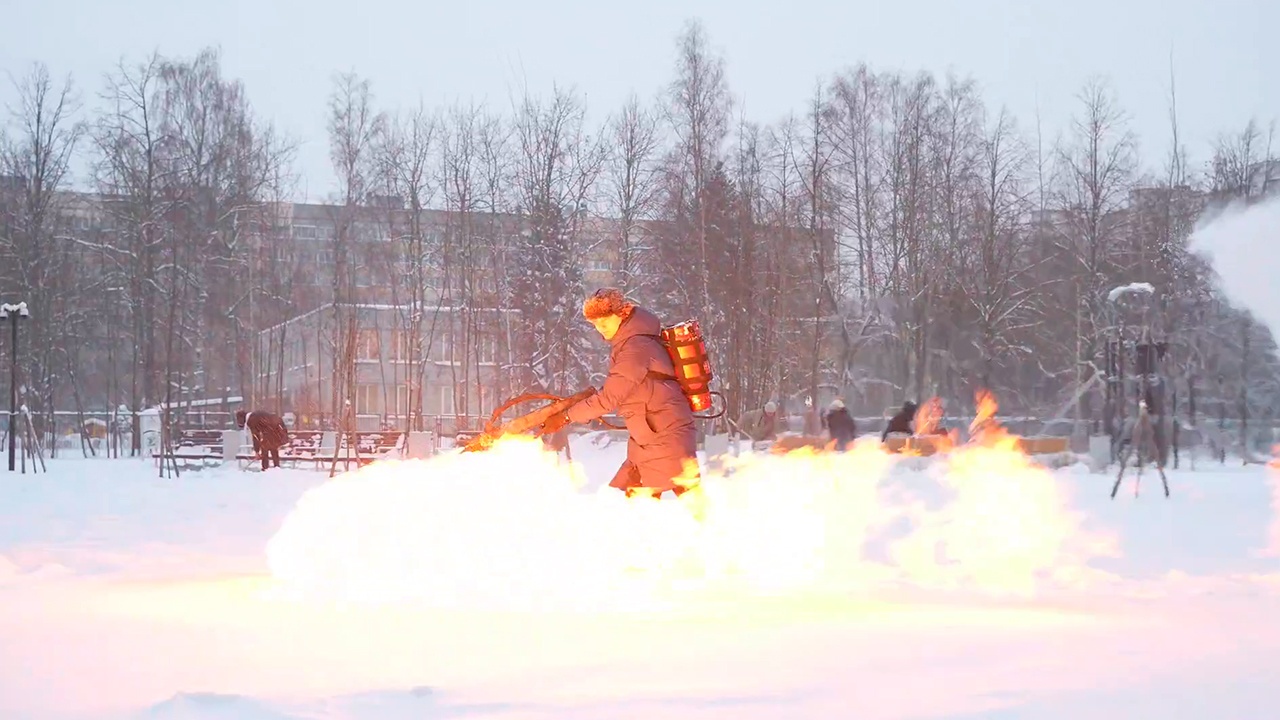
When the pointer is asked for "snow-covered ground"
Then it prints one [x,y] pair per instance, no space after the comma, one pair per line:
[863,588]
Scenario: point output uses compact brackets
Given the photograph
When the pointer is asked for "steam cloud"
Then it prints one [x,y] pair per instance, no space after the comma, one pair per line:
[1243,246]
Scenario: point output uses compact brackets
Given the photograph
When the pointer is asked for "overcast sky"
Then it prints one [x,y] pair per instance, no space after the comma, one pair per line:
[1022,53]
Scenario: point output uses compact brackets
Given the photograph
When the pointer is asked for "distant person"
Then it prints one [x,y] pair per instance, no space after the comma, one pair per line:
[840,424]
[761,425]
[903,422]
[268,432]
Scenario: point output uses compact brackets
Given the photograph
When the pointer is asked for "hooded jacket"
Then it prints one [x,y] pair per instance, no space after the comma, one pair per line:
[642,387]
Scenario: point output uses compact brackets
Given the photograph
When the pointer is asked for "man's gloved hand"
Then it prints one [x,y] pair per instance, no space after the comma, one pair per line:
[554,423]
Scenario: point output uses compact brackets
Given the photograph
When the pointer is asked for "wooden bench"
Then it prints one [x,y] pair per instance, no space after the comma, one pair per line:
[380,444]
[196,444]
[371,446]
[462,437]
[303,446]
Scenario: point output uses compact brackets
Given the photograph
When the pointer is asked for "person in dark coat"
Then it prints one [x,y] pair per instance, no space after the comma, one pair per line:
[903,422]
[268,431]
[840,424]
[642,387]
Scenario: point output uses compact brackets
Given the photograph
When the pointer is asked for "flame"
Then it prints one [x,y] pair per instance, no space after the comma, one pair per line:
[986,406]
[928,415]
[515,527]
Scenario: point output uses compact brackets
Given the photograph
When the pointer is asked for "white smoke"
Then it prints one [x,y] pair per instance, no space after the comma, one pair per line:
[1243,246]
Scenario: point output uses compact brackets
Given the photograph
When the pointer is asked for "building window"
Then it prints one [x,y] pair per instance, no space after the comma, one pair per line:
[445,342]
[402,400]
[446,400]
[368,399]
[304,232]
[401,345]
[487,347]
[368,345]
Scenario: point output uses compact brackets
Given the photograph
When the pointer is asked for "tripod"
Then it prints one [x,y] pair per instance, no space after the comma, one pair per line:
[1142,439]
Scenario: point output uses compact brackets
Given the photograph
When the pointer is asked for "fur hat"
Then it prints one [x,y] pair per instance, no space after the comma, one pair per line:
[837,404]
[771,407]
[605,302]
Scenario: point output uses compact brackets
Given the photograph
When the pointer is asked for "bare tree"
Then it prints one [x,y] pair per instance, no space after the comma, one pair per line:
[909,251]
[354,128]
[956,148]
[698,113]
[750,376]
[131,172]
[857,99]
[1236,158]
[36,253]
[634,188]
[462,261]
[816,167]
[225,161]
[407,155]
[558,163]
[495,142]
[997,276]
[1097,171]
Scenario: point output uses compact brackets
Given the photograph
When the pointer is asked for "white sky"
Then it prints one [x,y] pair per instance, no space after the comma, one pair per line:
[1022,53]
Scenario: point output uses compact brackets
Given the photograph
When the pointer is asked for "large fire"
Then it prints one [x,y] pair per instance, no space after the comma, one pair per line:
[517,528]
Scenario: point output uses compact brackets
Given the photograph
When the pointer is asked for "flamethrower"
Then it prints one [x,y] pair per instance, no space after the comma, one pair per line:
[529,423]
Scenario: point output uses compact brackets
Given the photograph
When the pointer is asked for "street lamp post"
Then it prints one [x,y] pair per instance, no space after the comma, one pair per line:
[12,313]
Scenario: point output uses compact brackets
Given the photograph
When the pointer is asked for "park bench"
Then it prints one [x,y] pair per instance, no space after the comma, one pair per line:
[200,445]
[371,446]
[303,446]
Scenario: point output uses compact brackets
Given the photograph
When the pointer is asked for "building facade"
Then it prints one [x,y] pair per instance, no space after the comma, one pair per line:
[406,366]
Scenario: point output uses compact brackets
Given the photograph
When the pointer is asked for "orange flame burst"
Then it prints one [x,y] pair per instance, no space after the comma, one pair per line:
[928,416]
[518,527]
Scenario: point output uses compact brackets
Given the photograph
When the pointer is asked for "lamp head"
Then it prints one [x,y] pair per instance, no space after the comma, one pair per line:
[21,309]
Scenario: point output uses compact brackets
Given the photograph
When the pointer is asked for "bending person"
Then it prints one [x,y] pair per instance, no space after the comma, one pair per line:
[642,387]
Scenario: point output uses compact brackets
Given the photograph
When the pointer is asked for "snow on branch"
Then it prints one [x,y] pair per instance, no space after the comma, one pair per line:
[1131,287]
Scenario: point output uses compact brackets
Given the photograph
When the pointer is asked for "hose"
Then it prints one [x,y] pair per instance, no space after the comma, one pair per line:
[494,424]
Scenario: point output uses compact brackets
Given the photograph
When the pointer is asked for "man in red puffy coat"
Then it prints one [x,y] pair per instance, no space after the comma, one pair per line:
[268,431]
[642,387]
